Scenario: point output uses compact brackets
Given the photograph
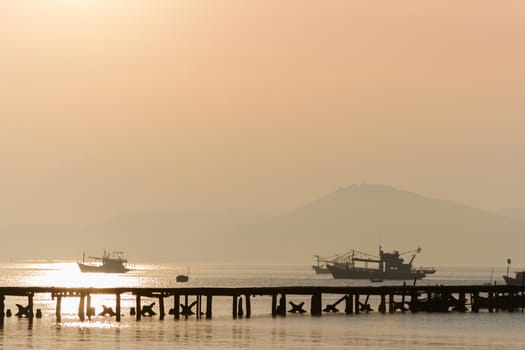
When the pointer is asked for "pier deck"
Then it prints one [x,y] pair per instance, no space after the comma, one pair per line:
[355,299]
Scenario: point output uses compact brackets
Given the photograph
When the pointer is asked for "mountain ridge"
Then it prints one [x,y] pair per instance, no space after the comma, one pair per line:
[355,217]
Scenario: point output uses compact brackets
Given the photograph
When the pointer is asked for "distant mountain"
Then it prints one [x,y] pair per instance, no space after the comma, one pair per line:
[514,213]
[358,217]
[190,235]
[363,216]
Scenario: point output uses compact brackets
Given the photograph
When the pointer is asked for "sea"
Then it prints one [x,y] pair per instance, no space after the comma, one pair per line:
[499,330]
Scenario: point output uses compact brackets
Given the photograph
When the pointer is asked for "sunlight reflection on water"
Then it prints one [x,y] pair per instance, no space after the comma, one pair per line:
[68,274]
[366,331]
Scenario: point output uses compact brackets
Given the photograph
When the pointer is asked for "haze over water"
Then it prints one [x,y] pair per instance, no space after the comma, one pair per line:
[331,331]
[221,134]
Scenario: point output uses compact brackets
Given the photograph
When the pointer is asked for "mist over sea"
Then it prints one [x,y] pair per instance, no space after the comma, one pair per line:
[501,330]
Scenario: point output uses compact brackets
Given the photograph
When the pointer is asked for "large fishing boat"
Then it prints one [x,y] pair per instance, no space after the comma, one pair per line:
[517,280]
[110,262]
[321,266]
[387,266]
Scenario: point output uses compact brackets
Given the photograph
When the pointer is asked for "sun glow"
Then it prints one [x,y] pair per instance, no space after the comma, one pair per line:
[67,274]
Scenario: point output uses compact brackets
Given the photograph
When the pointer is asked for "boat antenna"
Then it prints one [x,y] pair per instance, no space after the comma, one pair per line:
[379,237]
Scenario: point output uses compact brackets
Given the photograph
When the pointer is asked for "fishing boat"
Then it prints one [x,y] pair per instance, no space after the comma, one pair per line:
[517,280]
[321,266]
[183,277]
[387,266]
[110,262]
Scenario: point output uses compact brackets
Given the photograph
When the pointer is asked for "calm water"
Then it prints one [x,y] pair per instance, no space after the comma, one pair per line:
[335,331]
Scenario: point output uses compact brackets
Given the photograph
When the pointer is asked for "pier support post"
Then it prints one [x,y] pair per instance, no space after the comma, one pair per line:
[391,306]
[81,307]
[198,306]
[382,305]
[234,307]
[209,301]
[274,305]
[240,310]
[30,314]
[462,302]
[248,306]
[356,305]
[349,304]
[176,307]
[475,301]
[161,307]
[138,307]
[282,305]
[413,301]
[316,306]
[185,306]
[58,311]
[88,306]
[2,307]
[491,302]
[117,306]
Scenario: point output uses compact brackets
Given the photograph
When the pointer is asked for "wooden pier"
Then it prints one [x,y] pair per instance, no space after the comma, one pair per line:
[349,300]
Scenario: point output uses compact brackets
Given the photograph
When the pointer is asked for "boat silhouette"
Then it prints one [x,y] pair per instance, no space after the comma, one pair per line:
[110,262]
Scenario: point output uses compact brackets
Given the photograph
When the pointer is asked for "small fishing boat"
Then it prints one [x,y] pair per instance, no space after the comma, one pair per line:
[183,277]
[517,280]
[110,262]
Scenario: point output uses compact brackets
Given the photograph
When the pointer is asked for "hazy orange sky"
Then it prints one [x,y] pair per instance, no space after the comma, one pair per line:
[114,106]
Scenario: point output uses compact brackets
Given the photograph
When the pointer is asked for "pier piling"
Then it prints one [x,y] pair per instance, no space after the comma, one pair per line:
[176,306]
[58,311]
[88,306]
[282,305]
[274,305]
[161,307]
[248,306]
[117,306]
[2,306]
[186,306]
[349,307]
[81,308]
[316,307]
[30,313]
[234,306]
[209,302]
[138,307]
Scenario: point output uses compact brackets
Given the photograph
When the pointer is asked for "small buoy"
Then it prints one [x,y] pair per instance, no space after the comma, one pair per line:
[8,313]
[132,311]
[38,313]
[171,312]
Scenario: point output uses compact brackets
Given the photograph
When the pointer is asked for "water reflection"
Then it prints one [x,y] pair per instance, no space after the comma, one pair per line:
[67,274]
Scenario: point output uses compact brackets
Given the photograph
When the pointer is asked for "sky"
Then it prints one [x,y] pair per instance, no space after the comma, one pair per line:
[110,107]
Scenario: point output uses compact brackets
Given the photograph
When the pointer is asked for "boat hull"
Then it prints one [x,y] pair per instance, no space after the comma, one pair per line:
[320,269]
[182,278]
[101,268]
[372,274]
[511,281]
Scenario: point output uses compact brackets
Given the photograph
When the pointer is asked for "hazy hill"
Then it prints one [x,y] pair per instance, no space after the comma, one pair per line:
[357,217]
[514,213]
[190,235]
[362,216]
